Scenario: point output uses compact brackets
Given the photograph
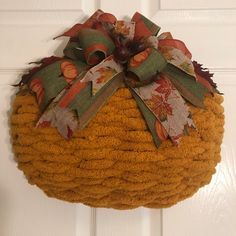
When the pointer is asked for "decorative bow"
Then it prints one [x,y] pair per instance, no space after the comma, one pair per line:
[104,54]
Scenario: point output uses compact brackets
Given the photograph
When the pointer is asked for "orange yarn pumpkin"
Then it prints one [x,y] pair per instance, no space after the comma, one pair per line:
[114,162]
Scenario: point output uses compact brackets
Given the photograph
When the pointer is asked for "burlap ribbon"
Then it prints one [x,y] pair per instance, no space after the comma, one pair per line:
[104,54]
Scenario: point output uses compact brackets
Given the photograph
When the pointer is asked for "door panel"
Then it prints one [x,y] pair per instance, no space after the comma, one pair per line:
[200,4]
[212,210]
[209,30]
[24,210]
[138,222]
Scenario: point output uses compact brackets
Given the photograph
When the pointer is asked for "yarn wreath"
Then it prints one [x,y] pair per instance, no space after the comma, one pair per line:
[116,164]
[128,151]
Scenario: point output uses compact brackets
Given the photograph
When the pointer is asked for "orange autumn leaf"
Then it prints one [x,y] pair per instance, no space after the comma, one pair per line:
[165,86]
[160,107]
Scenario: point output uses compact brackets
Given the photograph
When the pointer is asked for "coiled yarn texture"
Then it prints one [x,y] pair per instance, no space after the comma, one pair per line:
[114,162]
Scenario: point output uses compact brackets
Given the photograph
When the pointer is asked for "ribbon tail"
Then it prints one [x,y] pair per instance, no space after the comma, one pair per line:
[148,116]
[165,103]
[186,85]
[49,79]
[87,109]
[73,108]
[64,119]
[181,71]
[144,27]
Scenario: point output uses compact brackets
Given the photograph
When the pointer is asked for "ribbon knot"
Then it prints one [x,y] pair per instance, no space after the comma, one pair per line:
[104,54]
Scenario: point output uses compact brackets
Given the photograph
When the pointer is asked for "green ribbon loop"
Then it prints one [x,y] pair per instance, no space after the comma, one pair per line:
[53,78]
[146,64]
[96,45]
[74,51]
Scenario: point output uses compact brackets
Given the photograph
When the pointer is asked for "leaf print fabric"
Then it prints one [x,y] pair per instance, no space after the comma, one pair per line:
[176,53]
[62,114]
[159,106]
[165,87]
[168,106]
[177,58]
[64,119]
[106,73]
[102,73]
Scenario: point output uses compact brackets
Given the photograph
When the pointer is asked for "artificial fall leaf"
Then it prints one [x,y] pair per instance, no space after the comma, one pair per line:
[43,63]
[204,73]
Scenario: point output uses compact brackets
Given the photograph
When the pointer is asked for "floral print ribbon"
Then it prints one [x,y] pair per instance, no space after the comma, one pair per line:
[104,54]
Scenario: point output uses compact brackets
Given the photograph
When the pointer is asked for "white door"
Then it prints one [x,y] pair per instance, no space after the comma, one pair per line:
[208,27]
